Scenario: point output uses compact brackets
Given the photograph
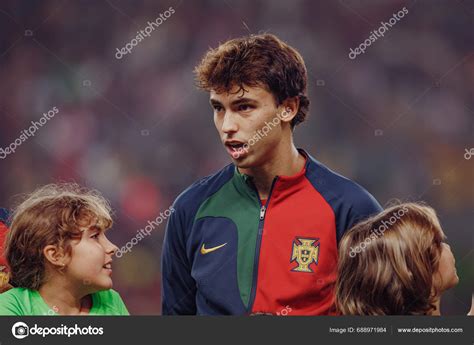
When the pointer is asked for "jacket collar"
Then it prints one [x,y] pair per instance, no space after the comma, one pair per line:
[282,180]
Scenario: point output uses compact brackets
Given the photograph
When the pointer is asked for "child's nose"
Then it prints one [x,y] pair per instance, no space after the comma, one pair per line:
[113,248]
[110,247]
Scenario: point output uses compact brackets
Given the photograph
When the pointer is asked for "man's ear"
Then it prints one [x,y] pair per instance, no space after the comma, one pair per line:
[55,255]
[289,109]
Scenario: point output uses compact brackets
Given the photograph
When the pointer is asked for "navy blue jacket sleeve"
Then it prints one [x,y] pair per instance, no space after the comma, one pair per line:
[362,206]
[4,215]
[178,287]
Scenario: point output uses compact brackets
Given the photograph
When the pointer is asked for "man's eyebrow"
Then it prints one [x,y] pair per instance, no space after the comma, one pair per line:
[244,100]
[235,102]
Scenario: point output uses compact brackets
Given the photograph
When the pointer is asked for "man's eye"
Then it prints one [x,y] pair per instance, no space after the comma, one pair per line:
[217,108]
[244,107]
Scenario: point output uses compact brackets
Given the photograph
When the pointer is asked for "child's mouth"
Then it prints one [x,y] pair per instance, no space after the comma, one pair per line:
[108,266]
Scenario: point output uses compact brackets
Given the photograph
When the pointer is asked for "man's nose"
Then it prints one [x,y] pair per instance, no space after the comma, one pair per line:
[229,124]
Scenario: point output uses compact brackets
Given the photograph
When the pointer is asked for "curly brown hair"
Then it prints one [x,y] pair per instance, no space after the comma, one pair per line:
[51,215]
[390,272]
[256,60]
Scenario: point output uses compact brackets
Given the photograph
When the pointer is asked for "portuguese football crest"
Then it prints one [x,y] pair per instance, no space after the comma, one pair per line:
[305,252]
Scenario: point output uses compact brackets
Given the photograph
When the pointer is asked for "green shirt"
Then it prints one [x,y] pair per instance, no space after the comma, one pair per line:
[22,301]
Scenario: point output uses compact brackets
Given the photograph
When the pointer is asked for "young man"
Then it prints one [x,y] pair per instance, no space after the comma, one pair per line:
[260,235]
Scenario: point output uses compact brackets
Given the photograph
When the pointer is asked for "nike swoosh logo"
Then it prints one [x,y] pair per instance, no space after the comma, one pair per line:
[205,250]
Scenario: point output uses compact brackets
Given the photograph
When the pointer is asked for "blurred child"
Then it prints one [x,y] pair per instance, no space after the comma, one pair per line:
[471,312]
[395,263]
[4,286]
[59,256]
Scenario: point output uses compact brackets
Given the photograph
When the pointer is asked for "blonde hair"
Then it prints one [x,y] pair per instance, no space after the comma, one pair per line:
[51,215]
[392,274]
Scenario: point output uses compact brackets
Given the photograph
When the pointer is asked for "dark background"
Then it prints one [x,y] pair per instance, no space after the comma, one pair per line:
[397,119]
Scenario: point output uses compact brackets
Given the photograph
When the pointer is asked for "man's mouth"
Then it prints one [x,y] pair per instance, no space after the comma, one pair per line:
[235,148]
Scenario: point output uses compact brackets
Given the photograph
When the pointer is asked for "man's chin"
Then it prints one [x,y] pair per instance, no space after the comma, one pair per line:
[246,161]
[242,165]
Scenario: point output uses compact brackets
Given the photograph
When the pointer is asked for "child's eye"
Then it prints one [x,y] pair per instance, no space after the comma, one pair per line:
[217,108]
[95,236]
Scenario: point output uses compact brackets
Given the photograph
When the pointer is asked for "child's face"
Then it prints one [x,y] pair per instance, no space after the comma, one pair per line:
[90,262]
[446,276]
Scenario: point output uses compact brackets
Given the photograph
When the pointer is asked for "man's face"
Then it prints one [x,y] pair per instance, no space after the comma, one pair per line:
[248,124]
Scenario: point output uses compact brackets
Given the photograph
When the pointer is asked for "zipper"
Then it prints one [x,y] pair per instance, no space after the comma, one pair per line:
[263,210]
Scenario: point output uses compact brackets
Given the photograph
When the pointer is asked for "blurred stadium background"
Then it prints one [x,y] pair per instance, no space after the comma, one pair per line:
[397,119]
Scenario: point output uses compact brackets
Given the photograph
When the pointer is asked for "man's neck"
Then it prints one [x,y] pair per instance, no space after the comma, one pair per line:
[64,299]
[284,163]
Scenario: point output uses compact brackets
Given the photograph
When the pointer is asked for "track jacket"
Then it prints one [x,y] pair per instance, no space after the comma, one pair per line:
[225,252]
